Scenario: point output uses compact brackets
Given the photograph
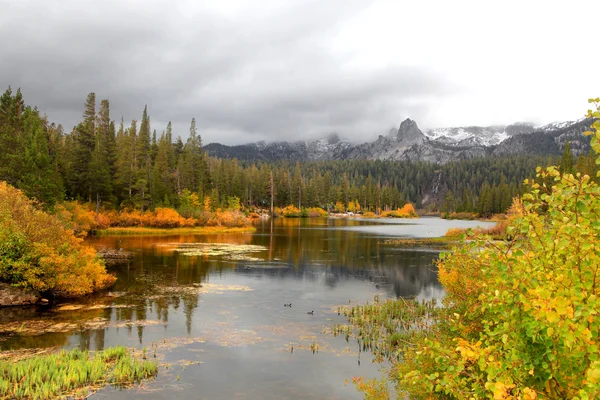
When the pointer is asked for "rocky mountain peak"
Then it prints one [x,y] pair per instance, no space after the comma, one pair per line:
[409,132]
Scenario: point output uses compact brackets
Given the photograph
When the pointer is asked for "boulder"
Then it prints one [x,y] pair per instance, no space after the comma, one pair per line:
[12,296]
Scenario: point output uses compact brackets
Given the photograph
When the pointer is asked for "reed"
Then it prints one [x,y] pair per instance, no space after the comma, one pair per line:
[73,373]
[382,327]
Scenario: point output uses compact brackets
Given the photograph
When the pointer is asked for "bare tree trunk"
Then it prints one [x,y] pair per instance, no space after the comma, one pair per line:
[272,194]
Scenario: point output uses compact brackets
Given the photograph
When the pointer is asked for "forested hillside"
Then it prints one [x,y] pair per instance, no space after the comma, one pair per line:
[131,165]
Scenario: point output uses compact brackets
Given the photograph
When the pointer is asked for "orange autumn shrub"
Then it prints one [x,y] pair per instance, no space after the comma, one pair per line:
[497,231]
[407,211]
[38,251]
[76,217]
[106,219]
[314,212]
[165,218]
[231,218]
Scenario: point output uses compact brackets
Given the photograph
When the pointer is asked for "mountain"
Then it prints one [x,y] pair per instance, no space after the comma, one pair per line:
[408,142]
[477,135]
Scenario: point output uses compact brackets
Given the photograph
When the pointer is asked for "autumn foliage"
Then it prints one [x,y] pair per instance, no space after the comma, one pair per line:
[37,251]
[520,316]
[83,220]
[292,211]
[407,211]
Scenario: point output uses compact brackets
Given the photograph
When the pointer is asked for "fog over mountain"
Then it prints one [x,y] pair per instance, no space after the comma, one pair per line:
[300,69]
[408,142]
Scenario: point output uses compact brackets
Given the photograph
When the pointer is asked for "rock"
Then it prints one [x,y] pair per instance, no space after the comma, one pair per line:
[12,296]
[114,256]
[409,133]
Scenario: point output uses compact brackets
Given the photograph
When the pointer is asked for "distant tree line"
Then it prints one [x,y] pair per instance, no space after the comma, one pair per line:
[119,165]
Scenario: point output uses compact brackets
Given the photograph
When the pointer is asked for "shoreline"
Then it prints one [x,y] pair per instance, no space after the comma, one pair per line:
[197,230]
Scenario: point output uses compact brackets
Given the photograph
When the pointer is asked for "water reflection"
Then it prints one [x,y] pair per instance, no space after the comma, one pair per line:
[313,252]
[163,295]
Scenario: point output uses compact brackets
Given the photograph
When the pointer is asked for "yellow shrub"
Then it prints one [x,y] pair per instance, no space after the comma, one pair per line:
[38,251]
[77,217]
[315,212]
[291,212]
[408,211]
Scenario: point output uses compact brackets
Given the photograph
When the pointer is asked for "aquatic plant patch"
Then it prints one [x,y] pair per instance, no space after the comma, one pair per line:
[226,251]
[36,327]
[72,373]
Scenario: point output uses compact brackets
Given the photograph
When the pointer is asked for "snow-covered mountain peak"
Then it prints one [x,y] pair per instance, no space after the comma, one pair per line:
[478,135]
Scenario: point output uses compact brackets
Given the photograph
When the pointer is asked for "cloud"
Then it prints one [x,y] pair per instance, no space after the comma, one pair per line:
[296,69]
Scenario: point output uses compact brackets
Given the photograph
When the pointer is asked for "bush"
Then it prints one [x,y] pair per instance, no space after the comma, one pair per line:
[497,231]
[37,251]
[315,212]
[460,215]
[76,217]
[165,218]
[407,211]
[291,212]
[521,316]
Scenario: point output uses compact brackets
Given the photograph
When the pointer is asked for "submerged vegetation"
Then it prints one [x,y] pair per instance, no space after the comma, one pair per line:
[520,316]
[72,373]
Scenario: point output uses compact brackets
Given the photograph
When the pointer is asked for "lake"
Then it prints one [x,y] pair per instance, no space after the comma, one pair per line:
[215,311]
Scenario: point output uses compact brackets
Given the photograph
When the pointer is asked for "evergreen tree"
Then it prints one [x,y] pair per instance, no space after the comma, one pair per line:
[566,162]
[143,165]
[103,157]
[85,143]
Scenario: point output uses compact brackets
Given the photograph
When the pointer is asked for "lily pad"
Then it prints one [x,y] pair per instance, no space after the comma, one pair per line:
[226,251]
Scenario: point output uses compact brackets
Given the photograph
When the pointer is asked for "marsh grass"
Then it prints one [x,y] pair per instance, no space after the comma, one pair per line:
[73,373]
[382,327]
[198,230]
[436,242]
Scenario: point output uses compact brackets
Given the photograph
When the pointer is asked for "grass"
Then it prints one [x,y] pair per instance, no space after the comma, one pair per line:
[382,326]
[73,373]
[198,230]
[436,242]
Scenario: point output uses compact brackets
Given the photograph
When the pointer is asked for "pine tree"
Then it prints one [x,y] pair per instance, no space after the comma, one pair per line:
[126,164]
[143,166]
[162,178]
[39,178]
[193,168]
[566,163]
[85,142]
[103,157]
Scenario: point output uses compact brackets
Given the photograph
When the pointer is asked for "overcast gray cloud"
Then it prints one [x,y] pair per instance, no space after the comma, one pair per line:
[276,69]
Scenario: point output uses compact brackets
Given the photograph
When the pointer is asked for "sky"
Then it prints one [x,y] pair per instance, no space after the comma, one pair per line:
[301,69]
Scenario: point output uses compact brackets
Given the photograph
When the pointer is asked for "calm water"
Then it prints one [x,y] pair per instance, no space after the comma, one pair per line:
[214,316]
